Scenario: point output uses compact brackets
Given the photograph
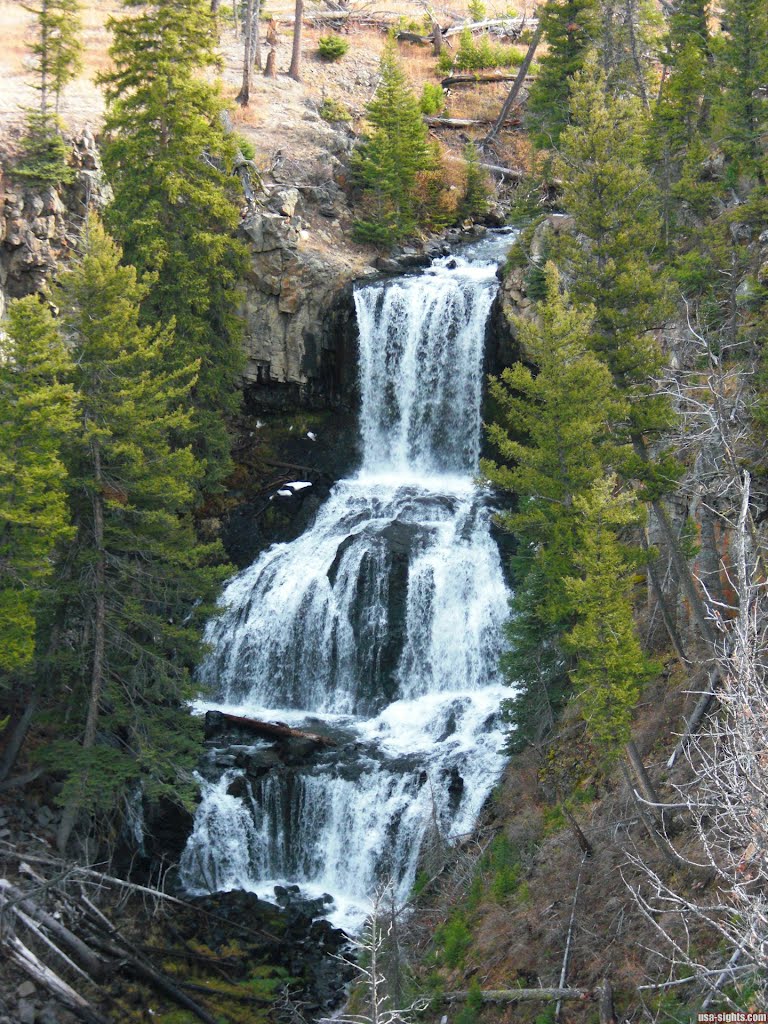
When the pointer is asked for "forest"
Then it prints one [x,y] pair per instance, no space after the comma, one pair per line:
[223,226]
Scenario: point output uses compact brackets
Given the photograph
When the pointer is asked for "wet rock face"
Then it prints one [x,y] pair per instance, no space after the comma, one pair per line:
[298,311]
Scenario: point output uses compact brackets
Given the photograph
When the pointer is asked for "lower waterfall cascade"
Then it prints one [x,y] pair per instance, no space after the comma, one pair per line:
[380,627]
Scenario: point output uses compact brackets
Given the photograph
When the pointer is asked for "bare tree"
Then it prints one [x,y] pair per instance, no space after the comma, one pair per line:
[379,932]
[725,794]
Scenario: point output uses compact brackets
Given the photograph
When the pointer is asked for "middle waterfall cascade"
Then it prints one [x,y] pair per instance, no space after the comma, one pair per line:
[380,626]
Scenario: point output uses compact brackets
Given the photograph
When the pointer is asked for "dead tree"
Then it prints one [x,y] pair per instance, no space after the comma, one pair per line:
[516,87]
[270,70]
[725,796]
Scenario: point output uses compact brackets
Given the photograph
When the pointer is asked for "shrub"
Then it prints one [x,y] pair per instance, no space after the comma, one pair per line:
[470,1012]
[477,55]
[246,147]
[44,153]
[477,9]
[455,939]
[432,98]
[475,200]
[333,110]
[332,47]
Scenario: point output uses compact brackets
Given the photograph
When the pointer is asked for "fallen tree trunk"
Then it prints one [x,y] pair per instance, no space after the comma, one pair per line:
[455,122]
[43,975]
[216,720]
[517,85]
[521,995]
[513,25]
[476,79]
[17,901]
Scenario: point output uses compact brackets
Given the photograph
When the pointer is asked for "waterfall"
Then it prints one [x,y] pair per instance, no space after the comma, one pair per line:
[380,626]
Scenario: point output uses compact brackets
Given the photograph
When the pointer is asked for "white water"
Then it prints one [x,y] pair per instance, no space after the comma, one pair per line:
[380,625]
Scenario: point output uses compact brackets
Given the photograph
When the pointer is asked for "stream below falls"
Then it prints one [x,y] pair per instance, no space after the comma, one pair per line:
[379,627]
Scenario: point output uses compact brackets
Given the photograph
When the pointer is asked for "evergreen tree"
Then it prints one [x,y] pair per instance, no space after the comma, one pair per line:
[615,204]
[743,103]
[628,32]
[391,158]
[168,157]
[57,59]
[571,28]
[554,436]
[475,200]
[36,417]
[57,50]
[610,665]
[135,585]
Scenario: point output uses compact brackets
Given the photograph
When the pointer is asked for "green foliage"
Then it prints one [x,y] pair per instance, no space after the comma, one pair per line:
[477,10]
[332,47]
[475,55]
[333,110]
[615,204]
[553,433]
[246,147]
[390,159]
[743,71]
[571,28]
[610,665]
[136,585]
[175,209]
[57,49]
[37,417]
[432,98]
[43,153]
[470,1011]
[453,940]
[475,200]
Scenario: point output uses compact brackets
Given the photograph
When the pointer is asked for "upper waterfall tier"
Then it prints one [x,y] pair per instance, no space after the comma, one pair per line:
[421,359]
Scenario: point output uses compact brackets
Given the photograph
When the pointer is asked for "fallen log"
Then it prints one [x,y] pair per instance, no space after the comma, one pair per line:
[21,903]
[216,720]
[521,995]
[461,122]
[512,25]
[43,975]
[476,78]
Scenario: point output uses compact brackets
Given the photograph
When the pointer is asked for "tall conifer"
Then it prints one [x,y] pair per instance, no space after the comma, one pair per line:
[392,155]
[36,419]
[135,584]
[168,158]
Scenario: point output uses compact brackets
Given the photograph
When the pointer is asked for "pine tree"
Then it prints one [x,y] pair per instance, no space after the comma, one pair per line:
[36,418]
[168,157]
[611,667]
[390,159]
[135,585]
[615,204]
[475,200]
[56,53]
[743,103]
[555,440]
[571,28]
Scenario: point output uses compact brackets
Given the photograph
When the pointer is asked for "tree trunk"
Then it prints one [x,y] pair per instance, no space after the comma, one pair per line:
[256,36]
[437,39]
[244,96]
[520,995]
[295,68]
[269,70]
[69,816]
[17,735]
[516,87]
[215,5]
